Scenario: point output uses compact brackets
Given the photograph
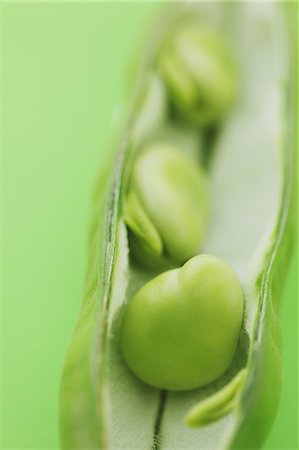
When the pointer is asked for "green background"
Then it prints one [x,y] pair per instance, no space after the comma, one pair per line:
[66,72]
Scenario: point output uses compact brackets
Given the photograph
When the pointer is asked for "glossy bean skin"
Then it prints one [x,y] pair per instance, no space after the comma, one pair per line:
[167,204]
[199,72]
[180,331]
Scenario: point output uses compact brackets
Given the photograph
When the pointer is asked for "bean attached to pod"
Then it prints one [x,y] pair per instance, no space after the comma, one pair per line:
[167,205]
[199,71]
[180,331]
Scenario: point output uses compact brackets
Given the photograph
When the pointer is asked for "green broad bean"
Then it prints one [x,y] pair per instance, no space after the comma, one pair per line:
[166,207]
[180,330]
[199,72]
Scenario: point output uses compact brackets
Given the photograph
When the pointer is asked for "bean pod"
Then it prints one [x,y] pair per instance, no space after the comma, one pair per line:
[178,339]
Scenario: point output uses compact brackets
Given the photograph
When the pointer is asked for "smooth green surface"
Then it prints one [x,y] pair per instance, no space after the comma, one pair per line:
[65,73]
[199,71]
[171,193]
[181,329]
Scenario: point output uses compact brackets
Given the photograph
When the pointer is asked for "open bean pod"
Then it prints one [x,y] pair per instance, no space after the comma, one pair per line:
[214,98]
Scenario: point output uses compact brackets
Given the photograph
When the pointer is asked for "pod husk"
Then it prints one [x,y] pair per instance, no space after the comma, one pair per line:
[84,403]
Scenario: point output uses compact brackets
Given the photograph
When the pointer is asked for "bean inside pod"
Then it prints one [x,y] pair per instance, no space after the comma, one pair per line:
[231,124]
